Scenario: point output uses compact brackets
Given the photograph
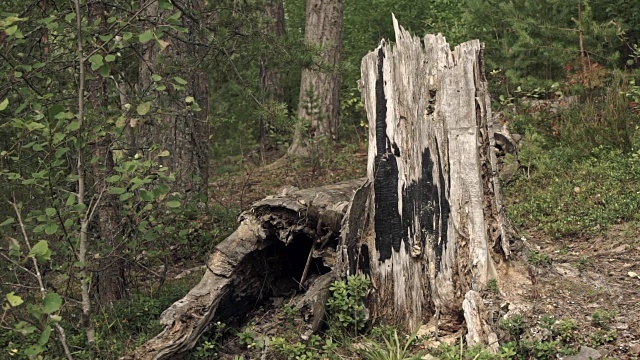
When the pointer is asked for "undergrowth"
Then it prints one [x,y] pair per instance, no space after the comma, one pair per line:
[569,197]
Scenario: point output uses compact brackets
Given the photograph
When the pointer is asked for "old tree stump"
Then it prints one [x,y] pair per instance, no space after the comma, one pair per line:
[427,224]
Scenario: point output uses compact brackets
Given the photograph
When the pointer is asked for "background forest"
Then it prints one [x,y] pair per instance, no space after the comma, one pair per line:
[133,133]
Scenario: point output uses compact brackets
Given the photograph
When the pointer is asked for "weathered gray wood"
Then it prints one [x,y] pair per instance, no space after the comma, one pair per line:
[240,272]
[429,224]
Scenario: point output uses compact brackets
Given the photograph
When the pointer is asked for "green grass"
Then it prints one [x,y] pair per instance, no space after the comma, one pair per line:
[565,197]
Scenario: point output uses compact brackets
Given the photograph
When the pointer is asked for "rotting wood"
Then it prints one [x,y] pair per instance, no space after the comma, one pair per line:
[244,269]
[428,227]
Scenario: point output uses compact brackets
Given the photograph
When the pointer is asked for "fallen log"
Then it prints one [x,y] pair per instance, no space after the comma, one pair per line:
[279,239]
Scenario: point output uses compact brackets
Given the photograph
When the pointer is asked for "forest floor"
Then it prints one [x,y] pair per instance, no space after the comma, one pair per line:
[594,282]
[582,287]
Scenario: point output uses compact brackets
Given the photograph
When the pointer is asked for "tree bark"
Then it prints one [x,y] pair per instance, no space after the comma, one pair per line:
[428,227]
[270,76]
[319,103]
[111,277]
[270,246]
[184,134]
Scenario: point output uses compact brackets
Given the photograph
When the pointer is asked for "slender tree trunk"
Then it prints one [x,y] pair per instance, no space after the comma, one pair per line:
[186,134]
[85,278]
[111,276]
[319,104]
[270,75]
[429,226]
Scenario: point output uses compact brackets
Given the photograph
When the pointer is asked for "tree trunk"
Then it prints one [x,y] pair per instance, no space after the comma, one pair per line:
[111,276]
[184,134]
[319,104]
[270,75]
[428,227]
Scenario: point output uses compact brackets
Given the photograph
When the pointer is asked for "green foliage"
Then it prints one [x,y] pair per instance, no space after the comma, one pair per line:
[492,285]
[532,44]
[538,259]
[346,309]
[392,349]
[513,326]
[567,197]
[315,349]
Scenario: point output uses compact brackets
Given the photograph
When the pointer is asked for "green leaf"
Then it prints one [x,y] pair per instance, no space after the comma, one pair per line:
[156,77]
[110,58]
[125,196]
[51,228]
[189,99]
[173,204]
[34,350]
[146,195]
[180,80]
[164,153]
[114,178]
[145,36]
[143,108]
[14,300]
[70,16]
[127,36]
[8,221]
[96,61]
[71,199]
[165,4]
[52,303]
[162,189]
[3,104]
[117,191]
[11,30]
[73,126]
[105,70]
[41,250]
[50,211]
[44,337]
[55,318]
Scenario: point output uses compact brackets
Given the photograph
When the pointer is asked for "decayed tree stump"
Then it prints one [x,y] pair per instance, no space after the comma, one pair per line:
[428,226]
[281,242]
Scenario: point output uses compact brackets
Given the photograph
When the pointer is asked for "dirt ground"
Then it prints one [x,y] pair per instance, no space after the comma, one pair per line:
[587,276]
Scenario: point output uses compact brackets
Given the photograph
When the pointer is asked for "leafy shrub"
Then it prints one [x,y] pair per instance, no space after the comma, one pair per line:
[346,304]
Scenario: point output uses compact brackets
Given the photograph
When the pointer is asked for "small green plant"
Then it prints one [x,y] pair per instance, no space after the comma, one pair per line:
[492,285]
[289,312]
[582,263]
[346,304]
[248,337]
[566,331]
[602,318]
[602,336]
[208,346]
[315,349]
[514,327]
[392,349]
[538,259]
